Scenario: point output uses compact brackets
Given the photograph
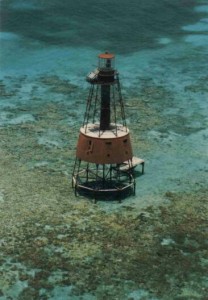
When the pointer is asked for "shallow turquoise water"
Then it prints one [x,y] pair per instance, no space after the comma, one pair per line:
[48,47]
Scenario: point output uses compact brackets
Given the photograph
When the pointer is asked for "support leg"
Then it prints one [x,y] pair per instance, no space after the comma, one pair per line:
[143,168]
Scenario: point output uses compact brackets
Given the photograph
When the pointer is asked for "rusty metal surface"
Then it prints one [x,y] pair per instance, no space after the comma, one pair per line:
[106,55]
[104,151]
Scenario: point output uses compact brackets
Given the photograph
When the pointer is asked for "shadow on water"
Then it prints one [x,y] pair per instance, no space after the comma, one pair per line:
[108,196]
[95,197]
[138,173]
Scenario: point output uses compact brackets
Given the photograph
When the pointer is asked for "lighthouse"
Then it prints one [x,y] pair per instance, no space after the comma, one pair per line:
[104,160]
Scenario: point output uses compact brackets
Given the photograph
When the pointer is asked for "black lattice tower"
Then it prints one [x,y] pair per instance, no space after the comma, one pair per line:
[104,159]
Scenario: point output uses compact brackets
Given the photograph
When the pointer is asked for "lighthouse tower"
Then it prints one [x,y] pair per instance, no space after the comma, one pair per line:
[104,159]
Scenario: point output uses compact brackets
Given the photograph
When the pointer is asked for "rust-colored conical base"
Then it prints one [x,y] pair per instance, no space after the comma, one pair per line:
[111,146]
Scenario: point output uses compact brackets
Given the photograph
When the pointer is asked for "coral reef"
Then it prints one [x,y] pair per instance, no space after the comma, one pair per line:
[54,244]
[149,247]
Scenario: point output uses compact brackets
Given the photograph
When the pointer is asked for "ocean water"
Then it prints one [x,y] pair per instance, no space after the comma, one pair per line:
[56,246]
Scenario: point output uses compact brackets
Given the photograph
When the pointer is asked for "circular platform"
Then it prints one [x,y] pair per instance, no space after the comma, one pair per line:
[115,131]
[90,180]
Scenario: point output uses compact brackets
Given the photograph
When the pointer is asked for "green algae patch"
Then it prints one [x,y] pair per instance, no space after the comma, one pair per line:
[57,85]
[81,250]
[7,92]
[199,86]
[155,107]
